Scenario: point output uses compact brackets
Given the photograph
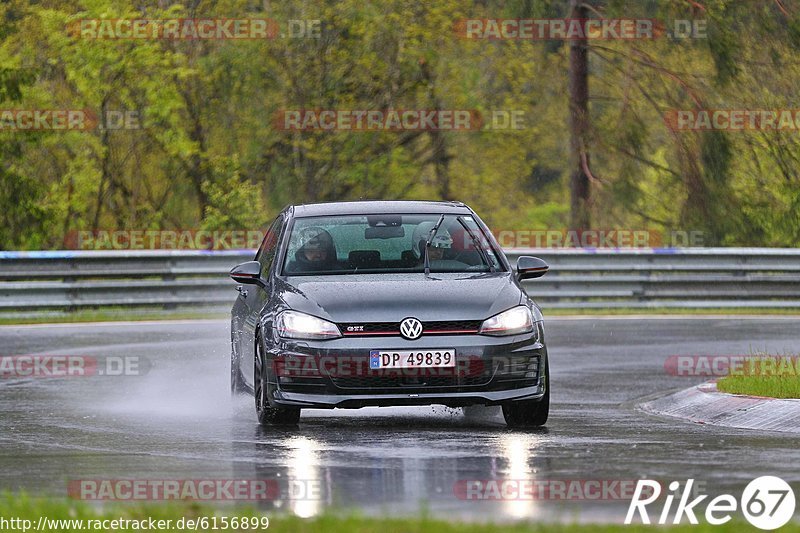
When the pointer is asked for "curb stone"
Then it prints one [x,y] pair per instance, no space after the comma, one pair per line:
[703,404]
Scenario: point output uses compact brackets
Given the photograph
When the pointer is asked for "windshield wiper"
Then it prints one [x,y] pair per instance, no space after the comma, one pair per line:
[431,235]
[477,246]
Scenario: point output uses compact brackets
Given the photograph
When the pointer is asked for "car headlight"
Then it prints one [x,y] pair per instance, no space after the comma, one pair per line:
[296,325]
[512,322]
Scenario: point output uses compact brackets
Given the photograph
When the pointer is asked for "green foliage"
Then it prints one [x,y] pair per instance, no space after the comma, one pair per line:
[233,202]
[23,221]
[208,154]
[770,376]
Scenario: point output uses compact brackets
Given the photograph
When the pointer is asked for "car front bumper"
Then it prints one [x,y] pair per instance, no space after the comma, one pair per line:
[490,370]
[451,399]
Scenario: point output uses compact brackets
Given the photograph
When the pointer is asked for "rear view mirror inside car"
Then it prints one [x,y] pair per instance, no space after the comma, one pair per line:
[385,220]
[384,232]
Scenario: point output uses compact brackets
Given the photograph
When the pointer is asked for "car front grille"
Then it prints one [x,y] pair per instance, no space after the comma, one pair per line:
[443,327]
[355,376]
[520,371]
[391,382]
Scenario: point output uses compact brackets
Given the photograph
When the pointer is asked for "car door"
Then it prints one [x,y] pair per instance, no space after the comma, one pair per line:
[253,298]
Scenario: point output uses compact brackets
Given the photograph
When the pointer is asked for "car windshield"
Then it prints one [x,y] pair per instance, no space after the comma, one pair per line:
[360,244]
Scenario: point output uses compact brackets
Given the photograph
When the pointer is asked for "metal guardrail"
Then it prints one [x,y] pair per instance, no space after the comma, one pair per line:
[578,278]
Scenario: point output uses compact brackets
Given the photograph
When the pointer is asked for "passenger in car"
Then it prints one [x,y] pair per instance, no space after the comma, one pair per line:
[441,241]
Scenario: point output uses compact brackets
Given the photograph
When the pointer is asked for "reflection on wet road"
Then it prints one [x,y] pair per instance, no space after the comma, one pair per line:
[175,421]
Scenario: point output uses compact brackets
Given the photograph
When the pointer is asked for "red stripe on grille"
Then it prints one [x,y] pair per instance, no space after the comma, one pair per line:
[365,333]
[431,332]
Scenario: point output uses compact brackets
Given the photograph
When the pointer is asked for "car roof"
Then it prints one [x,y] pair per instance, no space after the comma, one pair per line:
[364,207]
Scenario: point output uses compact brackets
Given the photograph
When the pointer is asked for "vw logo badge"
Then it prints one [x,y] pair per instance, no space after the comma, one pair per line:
[411,328]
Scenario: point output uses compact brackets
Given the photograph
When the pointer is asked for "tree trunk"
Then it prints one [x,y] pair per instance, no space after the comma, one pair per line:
[439,153]
[579,123]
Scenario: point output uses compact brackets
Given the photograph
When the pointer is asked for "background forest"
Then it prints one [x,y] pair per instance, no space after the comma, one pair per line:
[208,154]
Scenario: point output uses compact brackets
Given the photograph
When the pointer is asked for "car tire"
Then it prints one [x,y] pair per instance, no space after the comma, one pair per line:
[530,413]
[267,415]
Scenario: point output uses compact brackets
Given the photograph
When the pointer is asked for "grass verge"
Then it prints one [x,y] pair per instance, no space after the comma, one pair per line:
[110,314]
[773,377]
[23,507]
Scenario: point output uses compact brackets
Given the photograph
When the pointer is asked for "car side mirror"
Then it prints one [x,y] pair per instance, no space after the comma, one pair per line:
[249,272]
[529,267]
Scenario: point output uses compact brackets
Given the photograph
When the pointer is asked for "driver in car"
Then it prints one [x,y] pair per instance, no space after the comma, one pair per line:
[317,251]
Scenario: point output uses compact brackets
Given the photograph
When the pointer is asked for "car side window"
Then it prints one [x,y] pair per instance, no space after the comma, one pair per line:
[269,246]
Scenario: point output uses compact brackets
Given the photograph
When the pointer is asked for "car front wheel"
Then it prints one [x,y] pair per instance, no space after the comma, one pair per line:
[269,416]
[530,413]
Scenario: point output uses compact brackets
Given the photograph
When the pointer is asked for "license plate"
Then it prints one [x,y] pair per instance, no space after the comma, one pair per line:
[412,358]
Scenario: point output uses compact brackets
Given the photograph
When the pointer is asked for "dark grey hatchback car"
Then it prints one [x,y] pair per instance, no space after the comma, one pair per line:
[387,303]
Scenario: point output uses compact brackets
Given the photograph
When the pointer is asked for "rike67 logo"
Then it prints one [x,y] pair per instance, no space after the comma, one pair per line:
[767,503]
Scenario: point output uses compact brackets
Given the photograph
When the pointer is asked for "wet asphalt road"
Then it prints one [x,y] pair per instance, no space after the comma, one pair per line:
[176,421]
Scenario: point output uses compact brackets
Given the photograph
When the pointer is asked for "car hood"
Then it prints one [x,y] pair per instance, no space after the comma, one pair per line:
[392,297]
